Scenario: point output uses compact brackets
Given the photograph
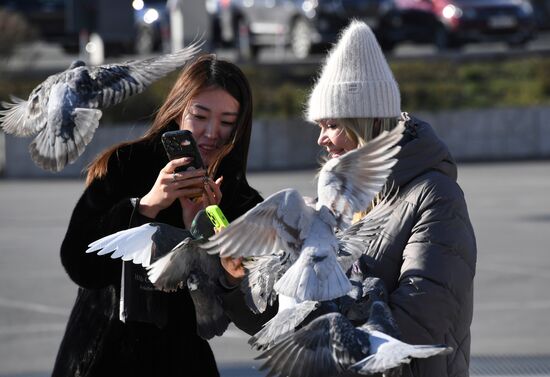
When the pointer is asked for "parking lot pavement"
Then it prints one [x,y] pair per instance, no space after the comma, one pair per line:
[508,204]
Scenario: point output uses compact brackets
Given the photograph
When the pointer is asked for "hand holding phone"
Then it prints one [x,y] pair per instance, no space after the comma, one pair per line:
[180,144]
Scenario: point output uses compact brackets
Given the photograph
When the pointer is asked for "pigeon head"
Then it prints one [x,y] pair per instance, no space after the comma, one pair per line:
[76,64]
[201,227]
[374,289]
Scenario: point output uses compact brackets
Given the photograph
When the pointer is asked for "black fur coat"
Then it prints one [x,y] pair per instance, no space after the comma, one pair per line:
[96,342]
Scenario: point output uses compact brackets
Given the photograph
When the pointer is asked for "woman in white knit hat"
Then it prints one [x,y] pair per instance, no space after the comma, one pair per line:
[426,254]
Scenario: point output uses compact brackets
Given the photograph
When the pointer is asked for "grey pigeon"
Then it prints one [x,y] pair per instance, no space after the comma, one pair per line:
[355,304]
[63,111]
[174,261]
[284,222]
[331,346]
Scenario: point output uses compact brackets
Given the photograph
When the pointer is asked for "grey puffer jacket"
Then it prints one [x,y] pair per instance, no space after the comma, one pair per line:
[426,254]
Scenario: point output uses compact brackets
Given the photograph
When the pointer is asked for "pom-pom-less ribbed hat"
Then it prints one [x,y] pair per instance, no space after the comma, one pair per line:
[356,81]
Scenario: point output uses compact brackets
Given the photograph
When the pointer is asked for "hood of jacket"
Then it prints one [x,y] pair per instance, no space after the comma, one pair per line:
[421,151]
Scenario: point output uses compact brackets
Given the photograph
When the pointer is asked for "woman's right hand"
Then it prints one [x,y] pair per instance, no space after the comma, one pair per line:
[170,186]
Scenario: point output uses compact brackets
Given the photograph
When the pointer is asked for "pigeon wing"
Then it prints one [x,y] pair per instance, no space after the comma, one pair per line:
[349,183]
[26,118]
[282,325]
[13,118]
[209,312]
[261,274]
[114,83]
[323,348]
[172,270]
[358,238]
[280,222]
[389,353]
[141,245]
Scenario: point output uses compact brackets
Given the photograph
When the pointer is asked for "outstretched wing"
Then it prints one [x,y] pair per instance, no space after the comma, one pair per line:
[258,282]
[114,83]
[26,118]
[172,270]
[323,348]
[282,325]
[13,118]
[348,184]
[141,245]
[281,222]
[389,353]
[209,312]
[358,238]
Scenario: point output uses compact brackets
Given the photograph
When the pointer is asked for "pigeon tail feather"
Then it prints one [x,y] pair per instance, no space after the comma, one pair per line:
[54,154]
[302,281]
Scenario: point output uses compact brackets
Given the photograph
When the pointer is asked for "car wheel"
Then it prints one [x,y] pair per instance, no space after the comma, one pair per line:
[300,39]
[518,43]
[145,41]
[243,42]
[442,40]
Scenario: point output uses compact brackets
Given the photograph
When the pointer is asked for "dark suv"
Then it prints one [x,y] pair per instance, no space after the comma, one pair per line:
[301,25]
[451,23]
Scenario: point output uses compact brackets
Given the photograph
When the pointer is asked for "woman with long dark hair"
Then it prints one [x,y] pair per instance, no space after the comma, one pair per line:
[133,183]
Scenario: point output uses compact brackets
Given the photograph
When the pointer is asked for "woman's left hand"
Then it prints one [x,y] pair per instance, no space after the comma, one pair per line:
[211,195]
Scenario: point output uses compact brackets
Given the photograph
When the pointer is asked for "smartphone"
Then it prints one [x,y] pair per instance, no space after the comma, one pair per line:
[179,144]
[216,216]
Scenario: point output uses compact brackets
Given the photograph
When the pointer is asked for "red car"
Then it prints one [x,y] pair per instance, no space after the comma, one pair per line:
[451,23]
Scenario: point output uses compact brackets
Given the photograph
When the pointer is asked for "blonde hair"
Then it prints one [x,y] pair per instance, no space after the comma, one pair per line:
[363,130]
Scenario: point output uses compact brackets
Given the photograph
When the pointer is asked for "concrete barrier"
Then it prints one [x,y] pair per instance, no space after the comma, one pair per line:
[472,135]
[494,134]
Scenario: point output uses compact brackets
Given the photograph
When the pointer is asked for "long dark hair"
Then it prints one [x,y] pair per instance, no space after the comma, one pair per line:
[205,72]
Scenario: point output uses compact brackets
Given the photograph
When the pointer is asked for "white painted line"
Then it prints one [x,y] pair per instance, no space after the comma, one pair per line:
[32,329]
[33,307]
[508,269]
[511,305]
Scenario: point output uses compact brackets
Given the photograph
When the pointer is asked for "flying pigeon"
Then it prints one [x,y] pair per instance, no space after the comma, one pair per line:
[284,222]
[258,283]
[64,110]
[174,261]
[331,345]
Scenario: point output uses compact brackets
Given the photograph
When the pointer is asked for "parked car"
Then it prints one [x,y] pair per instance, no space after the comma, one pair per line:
[123,29]
[301,25]
[452,23]
[152,26]
[541,8]
[46,18]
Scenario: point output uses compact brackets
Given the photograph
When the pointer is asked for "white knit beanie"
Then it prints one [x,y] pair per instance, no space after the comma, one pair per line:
[356,81]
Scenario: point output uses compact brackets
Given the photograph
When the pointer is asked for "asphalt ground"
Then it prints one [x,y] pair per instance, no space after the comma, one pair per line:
[508,204]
